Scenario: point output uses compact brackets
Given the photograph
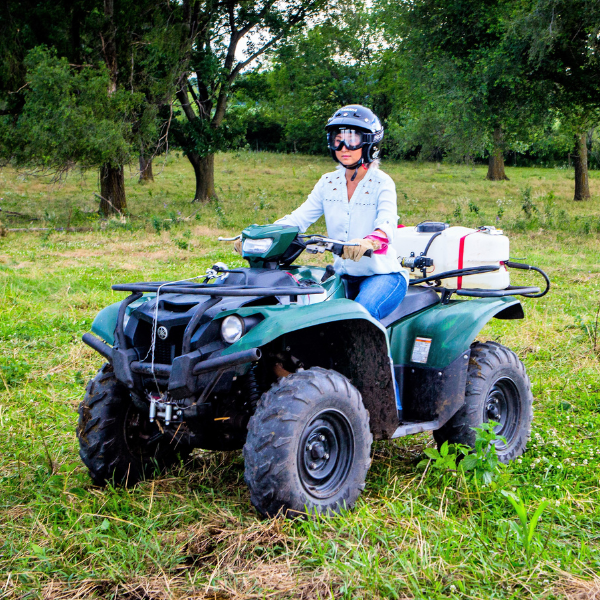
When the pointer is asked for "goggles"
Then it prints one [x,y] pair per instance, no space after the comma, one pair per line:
[351,138]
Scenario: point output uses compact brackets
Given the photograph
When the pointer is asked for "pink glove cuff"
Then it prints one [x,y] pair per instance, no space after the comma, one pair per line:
[380,240]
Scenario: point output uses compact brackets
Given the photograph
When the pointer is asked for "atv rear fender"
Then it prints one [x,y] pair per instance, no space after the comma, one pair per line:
[451,328]
[339,335]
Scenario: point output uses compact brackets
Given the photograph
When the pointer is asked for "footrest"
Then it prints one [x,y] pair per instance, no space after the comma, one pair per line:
[411,428]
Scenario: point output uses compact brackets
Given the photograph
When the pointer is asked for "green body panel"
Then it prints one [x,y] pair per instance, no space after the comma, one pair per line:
[334,285]
[282,238]
[283,319]
[451,327]
[106,320]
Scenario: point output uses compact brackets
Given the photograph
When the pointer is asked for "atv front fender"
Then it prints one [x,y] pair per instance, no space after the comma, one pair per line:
[106,320]
[279,320]
[451,328]
[339,335]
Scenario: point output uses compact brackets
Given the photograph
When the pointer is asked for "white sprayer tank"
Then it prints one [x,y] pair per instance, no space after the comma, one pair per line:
[457,248]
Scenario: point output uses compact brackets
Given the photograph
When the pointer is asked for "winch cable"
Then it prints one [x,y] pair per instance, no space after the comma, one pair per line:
[155,323]
[524,267]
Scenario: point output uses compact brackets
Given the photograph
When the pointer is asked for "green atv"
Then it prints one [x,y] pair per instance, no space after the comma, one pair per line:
[275,360]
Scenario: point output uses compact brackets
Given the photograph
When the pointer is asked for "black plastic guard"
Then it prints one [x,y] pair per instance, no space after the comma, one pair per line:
[432,394]
[122,360]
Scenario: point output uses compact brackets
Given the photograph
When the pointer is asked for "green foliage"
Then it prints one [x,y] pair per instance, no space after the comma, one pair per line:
[68,117]
[481,462]
[527,205]
[526,527]
[446,458]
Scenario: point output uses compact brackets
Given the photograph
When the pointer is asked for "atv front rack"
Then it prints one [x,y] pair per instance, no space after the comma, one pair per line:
[210,289]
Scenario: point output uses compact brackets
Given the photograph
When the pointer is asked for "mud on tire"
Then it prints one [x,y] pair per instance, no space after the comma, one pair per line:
[308,446]
[116,440]
[498,389]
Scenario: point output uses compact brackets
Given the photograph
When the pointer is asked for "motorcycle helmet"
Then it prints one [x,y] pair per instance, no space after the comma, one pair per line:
[354,126]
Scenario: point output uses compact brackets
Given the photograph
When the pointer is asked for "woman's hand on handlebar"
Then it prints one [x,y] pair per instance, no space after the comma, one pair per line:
[360,249]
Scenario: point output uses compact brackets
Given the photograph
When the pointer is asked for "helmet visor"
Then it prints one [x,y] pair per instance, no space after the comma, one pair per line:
[351,138]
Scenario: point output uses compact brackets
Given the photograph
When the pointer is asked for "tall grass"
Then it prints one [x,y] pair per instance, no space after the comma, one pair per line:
[192,533]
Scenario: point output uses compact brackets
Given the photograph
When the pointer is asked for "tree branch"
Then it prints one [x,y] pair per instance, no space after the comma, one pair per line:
[185,104]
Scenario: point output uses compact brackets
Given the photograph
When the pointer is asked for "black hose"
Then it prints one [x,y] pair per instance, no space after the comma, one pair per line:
[457,273]
[424,253]
[524,267]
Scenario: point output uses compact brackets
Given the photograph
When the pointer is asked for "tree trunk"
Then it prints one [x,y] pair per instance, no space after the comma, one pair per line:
[112,190]
[204,168]
[496,164]
[580,162]
[146,169]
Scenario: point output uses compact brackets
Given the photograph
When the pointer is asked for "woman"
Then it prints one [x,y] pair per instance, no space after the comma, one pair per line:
[359,204]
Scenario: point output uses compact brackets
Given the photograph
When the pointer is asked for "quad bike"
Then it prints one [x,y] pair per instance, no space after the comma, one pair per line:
[274,359]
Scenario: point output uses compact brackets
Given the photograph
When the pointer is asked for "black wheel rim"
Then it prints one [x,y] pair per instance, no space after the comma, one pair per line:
[503,405]
[326,453]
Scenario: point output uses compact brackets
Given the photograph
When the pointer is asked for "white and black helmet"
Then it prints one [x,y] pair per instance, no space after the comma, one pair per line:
[355,126]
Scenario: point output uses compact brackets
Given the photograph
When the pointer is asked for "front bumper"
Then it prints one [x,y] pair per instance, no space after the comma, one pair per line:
[181,375]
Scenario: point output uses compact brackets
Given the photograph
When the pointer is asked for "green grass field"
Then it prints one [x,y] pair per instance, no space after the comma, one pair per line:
[192,533]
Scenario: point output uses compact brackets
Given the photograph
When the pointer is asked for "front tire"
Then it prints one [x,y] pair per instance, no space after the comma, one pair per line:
[117,442]
[309,446]
[498,389]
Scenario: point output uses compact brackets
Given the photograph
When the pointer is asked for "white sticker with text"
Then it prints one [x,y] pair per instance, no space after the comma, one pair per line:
[421,350]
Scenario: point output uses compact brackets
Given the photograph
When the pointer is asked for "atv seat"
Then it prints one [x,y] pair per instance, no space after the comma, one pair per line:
[417,298]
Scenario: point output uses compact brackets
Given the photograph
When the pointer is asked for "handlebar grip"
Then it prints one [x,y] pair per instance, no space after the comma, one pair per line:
[337,249]
[368,253]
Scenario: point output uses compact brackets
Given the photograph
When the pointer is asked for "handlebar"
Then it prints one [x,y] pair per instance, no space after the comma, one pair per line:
[319,244]
[336,247]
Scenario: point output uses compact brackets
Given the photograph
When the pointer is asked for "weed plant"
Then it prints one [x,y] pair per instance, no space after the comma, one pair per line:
[192,532]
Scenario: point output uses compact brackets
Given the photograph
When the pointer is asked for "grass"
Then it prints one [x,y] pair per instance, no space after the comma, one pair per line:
[192,533]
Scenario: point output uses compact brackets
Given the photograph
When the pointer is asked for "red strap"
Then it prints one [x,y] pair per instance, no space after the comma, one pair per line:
[461,255]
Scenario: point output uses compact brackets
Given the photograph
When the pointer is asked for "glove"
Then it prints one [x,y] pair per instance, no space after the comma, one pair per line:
[237,246]
[356,252]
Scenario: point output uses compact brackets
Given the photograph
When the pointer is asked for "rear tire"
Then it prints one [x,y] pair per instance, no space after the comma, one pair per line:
[117,442]
[308,446]
[498,389]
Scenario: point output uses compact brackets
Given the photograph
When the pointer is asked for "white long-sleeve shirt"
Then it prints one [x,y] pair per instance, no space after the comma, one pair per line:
[372,206]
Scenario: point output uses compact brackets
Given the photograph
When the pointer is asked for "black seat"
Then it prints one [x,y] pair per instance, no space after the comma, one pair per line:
[417,298]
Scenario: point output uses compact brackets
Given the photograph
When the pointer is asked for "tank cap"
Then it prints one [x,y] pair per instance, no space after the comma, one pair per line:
[431,227]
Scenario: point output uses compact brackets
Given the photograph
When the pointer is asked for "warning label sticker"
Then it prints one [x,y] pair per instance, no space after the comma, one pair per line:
[420,351]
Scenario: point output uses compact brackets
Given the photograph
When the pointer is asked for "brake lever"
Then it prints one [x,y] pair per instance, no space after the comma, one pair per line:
[224,239]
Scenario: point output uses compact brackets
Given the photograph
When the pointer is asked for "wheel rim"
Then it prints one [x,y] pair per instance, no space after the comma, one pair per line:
[326,453]
[503,406]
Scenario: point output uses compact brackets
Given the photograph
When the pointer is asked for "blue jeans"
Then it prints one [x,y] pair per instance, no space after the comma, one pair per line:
[379,294]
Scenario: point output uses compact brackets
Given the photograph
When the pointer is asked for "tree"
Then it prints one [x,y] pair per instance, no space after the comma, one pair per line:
[126,47]
[456,53]
[560,41]
[216,30]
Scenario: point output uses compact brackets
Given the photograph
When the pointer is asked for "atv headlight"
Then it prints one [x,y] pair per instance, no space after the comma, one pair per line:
[260,246]
[232,329]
